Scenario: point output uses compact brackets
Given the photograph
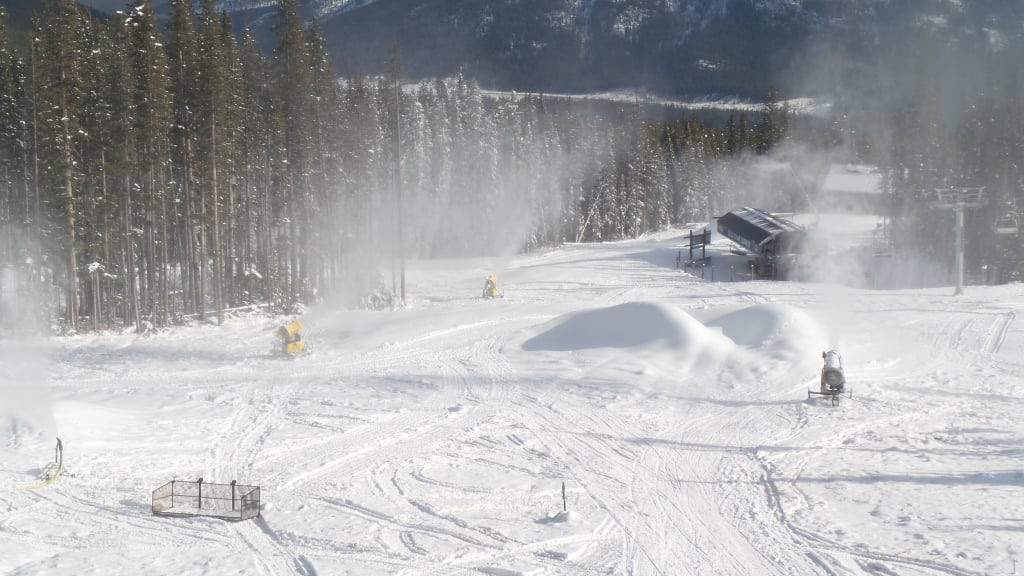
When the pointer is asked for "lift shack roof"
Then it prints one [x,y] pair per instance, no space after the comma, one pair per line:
[754,229]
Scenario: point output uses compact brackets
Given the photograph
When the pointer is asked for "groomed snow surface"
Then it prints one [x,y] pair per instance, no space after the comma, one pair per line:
[436,439]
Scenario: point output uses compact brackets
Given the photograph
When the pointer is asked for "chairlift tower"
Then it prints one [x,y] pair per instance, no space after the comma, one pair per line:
[957,199]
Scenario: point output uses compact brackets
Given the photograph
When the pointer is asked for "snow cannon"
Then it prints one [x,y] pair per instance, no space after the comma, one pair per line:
[833,378]
[491,287]
[290,336]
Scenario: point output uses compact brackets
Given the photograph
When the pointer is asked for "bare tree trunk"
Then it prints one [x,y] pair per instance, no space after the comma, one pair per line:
[231,249]
[37,212]
[108,233]
[191,260]
[293,246]
[165,288]
[246,236]
[98,299]
[131,309]
[72,304]
[203,253]
[265,246]
[179,235]
[148,298]
[218,254]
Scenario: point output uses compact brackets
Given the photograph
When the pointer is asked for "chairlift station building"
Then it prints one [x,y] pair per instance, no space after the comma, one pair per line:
[775,242]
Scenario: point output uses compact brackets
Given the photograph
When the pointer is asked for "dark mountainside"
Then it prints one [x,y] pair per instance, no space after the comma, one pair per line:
[681,48]
[689,48]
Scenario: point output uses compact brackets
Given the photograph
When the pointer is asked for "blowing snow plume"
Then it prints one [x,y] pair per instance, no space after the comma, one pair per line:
[27,428]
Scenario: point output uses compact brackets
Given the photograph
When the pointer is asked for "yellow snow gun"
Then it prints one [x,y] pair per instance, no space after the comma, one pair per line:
[491,287]
[290,336]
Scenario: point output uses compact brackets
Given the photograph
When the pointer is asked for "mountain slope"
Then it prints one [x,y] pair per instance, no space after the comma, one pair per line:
[610,415]
[677,47]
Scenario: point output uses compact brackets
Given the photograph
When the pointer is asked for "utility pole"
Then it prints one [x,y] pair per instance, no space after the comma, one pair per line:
[957,199]
[398,174]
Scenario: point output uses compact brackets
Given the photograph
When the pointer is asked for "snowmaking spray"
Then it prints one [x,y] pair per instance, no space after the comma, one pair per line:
[27,426]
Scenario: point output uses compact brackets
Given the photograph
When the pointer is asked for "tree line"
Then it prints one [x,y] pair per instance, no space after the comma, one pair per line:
[158,174]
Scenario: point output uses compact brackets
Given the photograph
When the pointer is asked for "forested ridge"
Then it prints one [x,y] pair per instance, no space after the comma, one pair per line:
[153,175]
[156,174]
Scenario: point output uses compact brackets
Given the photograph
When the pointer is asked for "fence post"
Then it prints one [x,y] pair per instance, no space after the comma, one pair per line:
[200,493]
[233,494]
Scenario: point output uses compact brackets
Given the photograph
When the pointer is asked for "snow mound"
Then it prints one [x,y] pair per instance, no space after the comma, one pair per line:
[647,338]
[767,325]
[630,325]
[776,334]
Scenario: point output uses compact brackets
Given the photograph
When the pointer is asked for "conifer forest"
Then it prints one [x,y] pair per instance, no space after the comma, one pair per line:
[155,173]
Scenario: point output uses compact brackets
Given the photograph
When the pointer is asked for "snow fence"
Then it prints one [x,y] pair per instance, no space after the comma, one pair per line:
[187,498]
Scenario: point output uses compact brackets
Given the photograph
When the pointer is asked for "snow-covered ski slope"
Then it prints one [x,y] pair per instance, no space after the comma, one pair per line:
[436,439]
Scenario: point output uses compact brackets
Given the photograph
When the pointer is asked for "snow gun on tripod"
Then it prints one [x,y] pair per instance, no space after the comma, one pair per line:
[833,378]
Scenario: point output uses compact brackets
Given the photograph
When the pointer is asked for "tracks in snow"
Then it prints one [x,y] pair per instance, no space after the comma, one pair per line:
[472,385]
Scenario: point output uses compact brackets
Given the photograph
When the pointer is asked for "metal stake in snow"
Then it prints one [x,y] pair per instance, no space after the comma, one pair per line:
[564,507]
[958,199]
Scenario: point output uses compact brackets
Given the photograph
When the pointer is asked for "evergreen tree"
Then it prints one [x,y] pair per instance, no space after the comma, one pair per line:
[62,88]
[213,103]
[153,112]
[256,167]
[99,216]
[13,192]
[184,69]
[654,181]
[294,75]
[437,180]
[14,197]
[773,124]
[325,162]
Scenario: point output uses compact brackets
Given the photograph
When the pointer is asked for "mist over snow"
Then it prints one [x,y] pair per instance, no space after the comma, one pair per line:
[27,427]
[26,412]
[437,439]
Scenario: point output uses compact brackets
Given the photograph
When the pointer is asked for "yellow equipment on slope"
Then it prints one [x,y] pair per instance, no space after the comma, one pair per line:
[491,287]
[290,336]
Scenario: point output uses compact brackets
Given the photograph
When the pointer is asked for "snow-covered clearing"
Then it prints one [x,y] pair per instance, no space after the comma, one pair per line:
[436,439]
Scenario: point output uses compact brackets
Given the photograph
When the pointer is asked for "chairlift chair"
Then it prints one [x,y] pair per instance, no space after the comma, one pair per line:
[1007,225]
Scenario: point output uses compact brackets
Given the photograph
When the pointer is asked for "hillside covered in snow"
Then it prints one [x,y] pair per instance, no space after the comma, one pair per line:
[611,414]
